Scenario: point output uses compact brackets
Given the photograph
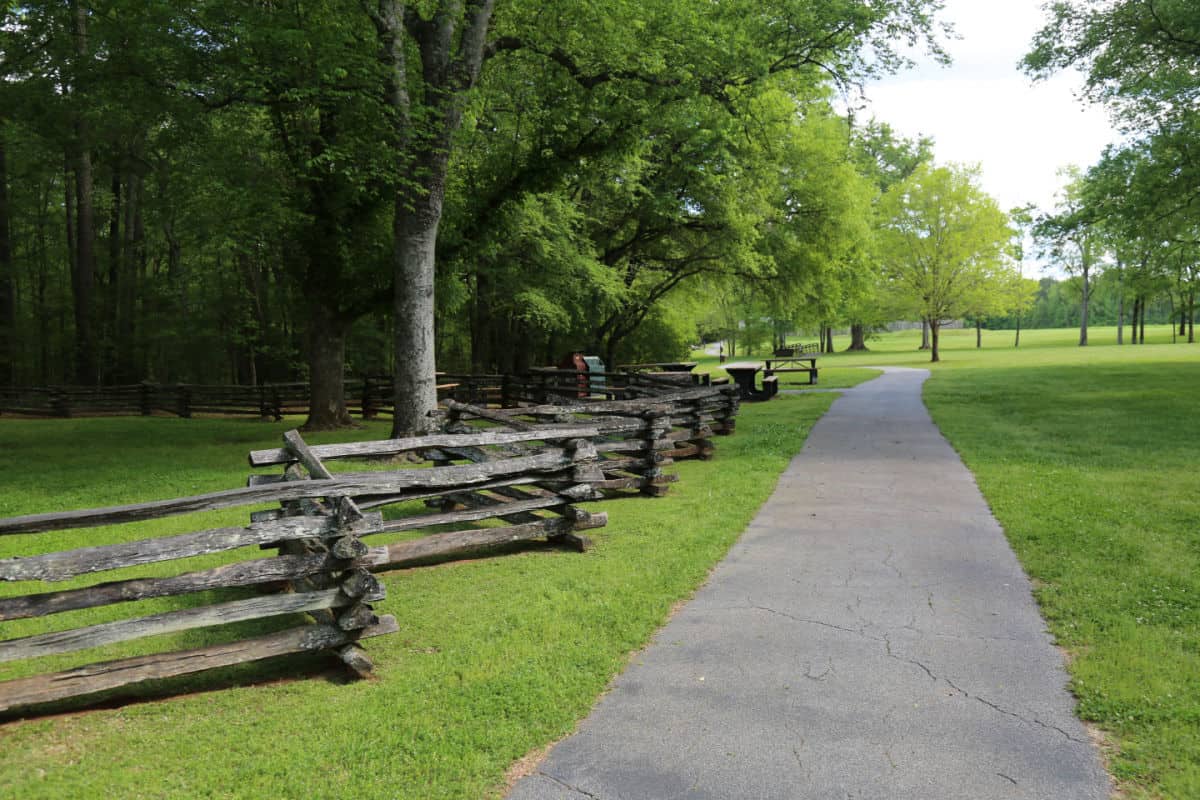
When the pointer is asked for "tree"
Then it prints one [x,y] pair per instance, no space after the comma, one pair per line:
[943,244]
[884,158]
[1070,237]
[642,59]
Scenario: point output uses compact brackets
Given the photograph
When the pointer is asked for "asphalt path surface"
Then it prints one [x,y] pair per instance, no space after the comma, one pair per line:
[870,636]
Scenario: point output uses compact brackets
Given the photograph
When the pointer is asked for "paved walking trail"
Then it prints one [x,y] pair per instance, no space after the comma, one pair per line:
[871,636]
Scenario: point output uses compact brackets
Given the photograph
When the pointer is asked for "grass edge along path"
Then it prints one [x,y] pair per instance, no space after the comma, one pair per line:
[496,657]
[1089,465]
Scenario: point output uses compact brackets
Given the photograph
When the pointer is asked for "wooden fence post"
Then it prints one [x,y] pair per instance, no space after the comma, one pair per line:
[145,395]
[183,402]
[369,408]
[60,403]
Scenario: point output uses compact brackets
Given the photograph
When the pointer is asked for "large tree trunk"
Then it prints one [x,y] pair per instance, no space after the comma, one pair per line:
[1017,339]
[8,296]
[978,334]
[84,275]
[415,357]
[1083,311]
[326,363]
[1121,312]
[935,327]
[924,335]
[450,47]
[858,337]
[1133,320]
[1191,317]
[1142,322]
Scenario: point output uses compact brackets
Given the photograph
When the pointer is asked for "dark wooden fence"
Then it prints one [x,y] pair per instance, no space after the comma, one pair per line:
[323,565]
[368,397]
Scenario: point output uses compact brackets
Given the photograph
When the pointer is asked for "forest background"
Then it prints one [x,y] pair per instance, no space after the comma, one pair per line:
[243,193]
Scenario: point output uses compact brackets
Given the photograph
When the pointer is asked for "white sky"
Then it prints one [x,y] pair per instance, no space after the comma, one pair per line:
[983,109]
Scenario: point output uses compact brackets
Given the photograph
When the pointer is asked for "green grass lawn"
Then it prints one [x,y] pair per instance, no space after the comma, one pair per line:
[496,657]
[1087,456]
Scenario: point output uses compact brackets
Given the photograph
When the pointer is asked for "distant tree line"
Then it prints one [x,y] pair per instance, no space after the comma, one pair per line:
[1128,227]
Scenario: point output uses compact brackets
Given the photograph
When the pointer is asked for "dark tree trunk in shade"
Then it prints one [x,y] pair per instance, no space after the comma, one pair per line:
[858,337]
[8,309]
[326,364]
[924,335]
[1120,308]
[84,274]
[1017,339]
[1192,317]
[978,334]
[935,328]
[1083,311]
[1142,322]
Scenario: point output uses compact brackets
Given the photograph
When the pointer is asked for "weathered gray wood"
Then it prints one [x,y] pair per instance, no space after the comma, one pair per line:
[386,447]
[245,573]
[115,674]
[456,407]
[85,560]
[345,484]
[471,514]
[348,548]
[462,543]
[375,501]
[346,508]
[264,480]
[45,644]
[356,660]
[359,615]
[360,582]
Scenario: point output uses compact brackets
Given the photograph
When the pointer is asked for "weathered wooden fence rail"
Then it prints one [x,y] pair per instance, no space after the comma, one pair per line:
[638,438]
[323,563]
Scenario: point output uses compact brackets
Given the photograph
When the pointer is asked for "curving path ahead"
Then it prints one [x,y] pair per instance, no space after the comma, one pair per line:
[870,636]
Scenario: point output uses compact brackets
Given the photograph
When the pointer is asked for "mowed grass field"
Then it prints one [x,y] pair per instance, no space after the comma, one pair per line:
[496,657]
[1087,456]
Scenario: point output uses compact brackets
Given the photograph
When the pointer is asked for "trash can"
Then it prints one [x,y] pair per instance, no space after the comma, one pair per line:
[597,383]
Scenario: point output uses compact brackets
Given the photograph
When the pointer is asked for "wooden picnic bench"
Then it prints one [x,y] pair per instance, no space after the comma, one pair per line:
[679,372]
[743,374]
[793,350]
[793,364]
[660,366]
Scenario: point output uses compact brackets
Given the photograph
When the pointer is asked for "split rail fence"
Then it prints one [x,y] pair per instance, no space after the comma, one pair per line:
[534,481]
[638,438]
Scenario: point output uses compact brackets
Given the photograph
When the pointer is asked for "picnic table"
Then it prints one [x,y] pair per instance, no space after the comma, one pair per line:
[679,372]
[796,363]
[744,374]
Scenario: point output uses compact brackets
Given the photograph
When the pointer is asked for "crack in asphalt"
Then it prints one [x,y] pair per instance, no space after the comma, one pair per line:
[887,644]
[566,785]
